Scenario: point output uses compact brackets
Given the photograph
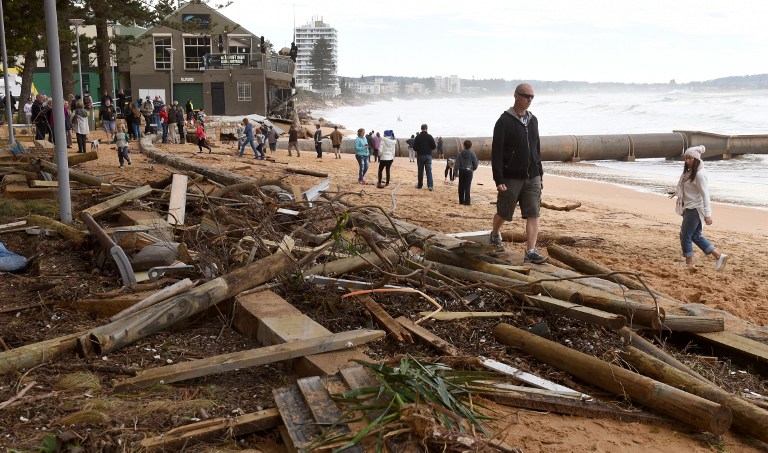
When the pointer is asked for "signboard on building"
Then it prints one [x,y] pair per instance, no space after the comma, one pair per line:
[200,21]
[232,60]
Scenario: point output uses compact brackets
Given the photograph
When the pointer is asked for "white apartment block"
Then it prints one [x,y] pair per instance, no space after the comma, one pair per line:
[306,36]
[450,84]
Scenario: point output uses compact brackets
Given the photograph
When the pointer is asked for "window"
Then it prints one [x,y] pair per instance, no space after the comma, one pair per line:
[239,44]
[243,91]
[194,49]
[162,57]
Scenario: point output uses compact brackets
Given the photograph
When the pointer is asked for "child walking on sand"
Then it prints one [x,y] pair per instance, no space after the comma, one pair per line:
[121,141]
[201,143]
[466,162]
[693,204]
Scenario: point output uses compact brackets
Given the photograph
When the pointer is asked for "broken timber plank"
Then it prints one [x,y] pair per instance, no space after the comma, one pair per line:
[25,192]
[178,202]
[383,318]
[429,337]
[114,203]
[250,358]
[8,226]
[43,184]
[530,378]
[296,416]
[751,349]
[214,428]
[79,158]
[323,409]
[580,312]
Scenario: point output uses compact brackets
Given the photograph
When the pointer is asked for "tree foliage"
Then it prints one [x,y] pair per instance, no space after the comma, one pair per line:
[323,65]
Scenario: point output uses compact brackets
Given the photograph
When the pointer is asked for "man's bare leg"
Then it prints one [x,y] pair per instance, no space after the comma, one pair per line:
[531,231]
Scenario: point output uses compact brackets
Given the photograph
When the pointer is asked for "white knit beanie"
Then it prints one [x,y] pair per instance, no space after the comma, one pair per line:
[695,151]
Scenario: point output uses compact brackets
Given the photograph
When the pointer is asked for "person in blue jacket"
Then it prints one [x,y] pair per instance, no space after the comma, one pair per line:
[362,154]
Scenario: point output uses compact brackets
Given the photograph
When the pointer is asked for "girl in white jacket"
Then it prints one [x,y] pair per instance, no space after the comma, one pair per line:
[693,204]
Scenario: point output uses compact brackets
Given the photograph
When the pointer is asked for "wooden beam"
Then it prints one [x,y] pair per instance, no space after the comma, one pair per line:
[114,203]
[591,315]
[177,204]
[429,337]
[454,315]
[214,428]
[690,409]
[746,417]
[250,358]
[753,350]
[384,320]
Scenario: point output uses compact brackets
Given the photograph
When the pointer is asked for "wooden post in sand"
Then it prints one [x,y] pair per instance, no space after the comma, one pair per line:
[690,409]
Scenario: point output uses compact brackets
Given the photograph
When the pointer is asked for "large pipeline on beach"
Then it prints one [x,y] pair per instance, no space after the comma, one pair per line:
[627,147]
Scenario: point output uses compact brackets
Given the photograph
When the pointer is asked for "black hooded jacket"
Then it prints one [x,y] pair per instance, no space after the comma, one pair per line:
[515,151]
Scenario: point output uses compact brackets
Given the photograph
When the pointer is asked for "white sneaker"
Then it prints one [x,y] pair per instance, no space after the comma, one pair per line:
[721,262]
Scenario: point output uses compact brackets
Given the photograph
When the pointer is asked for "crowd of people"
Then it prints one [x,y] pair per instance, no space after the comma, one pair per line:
[515,157]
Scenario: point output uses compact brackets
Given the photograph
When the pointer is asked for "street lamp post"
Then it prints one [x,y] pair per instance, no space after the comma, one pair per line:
[170,52]
[6,86]
[77,23]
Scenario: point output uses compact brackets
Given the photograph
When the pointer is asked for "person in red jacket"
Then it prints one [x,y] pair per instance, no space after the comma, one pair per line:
[201,143]
[164,122]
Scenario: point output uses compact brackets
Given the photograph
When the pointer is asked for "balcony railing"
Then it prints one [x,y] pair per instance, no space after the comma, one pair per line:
[277,63]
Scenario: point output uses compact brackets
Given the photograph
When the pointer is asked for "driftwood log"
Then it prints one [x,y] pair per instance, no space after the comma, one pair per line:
[690,409]
[447,257]
[74,175]
[64,230]
[590,267]
[747,417]
[115,335]
[649,348]
[74,159]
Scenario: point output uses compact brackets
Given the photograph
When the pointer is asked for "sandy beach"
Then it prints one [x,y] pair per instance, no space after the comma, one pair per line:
[623,229]
[638,231]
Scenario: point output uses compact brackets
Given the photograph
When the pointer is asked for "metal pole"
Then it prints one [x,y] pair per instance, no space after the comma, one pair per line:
[77,23]
[8,95]
[170,51]
[57,92]
[112,62]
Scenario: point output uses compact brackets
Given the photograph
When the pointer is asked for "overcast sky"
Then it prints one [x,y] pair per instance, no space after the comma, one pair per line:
[590,40]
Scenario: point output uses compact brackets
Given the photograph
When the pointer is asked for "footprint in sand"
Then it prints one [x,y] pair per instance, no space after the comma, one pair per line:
[694,298]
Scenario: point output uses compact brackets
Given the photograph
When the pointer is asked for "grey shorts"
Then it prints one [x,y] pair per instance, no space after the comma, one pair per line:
[109,126]
[525,191]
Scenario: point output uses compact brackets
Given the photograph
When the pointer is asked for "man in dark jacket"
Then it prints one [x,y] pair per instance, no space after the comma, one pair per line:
[39,118]
[517,170]
[424,144]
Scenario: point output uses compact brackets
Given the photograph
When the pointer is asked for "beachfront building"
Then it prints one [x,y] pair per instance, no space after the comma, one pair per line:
[450,84]
[219,65]
[306,37]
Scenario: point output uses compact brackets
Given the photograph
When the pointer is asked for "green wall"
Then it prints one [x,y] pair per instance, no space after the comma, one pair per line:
[42,80]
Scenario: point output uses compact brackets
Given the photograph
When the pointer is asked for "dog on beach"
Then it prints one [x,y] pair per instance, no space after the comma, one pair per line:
[450,170]
[95,144]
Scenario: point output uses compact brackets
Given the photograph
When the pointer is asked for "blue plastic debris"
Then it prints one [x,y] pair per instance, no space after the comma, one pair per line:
[9,261]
